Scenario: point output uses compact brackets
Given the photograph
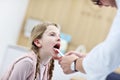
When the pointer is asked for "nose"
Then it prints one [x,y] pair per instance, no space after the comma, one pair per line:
[58,38]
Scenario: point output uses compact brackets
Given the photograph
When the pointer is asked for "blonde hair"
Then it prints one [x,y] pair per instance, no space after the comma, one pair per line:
[37,33]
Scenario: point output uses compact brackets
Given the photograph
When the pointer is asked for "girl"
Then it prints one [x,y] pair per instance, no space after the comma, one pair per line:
[39,63]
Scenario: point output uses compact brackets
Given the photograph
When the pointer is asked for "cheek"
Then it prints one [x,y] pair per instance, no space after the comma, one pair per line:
[49,43]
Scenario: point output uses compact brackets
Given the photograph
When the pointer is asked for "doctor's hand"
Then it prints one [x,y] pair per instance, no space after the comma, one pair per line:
[66,61]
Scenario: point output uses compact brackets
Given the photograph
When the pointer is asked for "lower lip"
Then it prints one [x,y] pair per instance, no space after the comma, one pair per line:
[56,52]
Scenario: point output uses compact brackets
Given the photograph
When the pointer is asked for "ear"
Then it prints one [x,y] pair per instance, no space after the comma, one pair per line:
[37,42]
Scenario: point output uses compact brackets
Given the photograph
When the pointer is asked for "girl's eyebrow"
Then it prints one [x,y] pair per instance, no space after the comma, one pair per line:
[52,32]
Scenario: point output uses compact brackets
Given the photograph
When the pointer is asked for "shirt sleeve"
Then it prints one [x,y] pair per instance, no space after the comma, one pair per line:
[22,70]
[105,57]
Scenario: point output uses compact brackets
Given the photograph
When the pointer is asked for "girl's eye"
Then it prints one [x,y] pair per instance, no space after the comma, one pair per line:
[52,34]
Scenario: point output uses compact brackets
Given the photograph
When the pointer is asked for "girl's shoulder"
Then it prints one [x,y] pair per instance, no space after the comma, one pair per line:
[29,58]
[24,62]
[26,59]
[22,66]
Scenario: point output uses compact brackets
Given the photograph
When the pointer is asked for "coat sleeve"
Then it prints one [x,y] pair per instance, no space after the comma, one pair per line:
[105,57]
[22,70]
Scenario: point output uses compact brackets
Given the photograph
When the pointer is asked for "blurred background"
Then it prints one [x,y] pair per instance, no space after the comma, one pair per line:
[83,25]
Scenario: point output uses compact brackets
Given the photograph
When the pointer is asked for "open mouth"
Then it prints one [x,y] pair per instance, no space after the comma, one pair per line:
[57,46]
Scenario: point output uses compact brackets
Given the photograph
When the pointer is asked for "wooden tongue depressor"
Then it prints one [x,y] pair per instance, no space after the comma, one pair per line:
[60,53]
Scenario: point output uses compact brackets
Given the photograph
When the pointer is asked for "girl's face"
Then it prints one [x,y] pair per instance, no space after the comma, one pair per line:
[49,41]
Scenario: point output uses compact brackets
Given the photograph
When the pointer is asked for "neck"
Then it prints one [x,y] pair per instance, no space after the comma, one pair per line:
[45,61]
[44,58]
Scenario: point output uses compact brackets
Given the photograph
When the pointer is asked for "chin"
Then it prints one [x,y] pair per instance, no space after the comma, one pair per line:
[54,56]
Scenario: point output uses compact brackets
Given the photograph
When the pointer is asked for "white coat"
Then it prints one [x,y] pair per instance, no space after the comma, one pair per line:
[105,57]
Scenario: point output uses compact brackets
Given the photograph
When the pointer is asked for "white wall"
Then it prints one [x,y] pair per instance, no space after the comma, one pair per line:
[12,13]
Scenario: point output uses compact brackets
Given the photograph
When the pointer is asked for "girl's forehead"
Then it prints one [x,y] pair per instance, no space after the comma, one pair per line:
[51,28]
